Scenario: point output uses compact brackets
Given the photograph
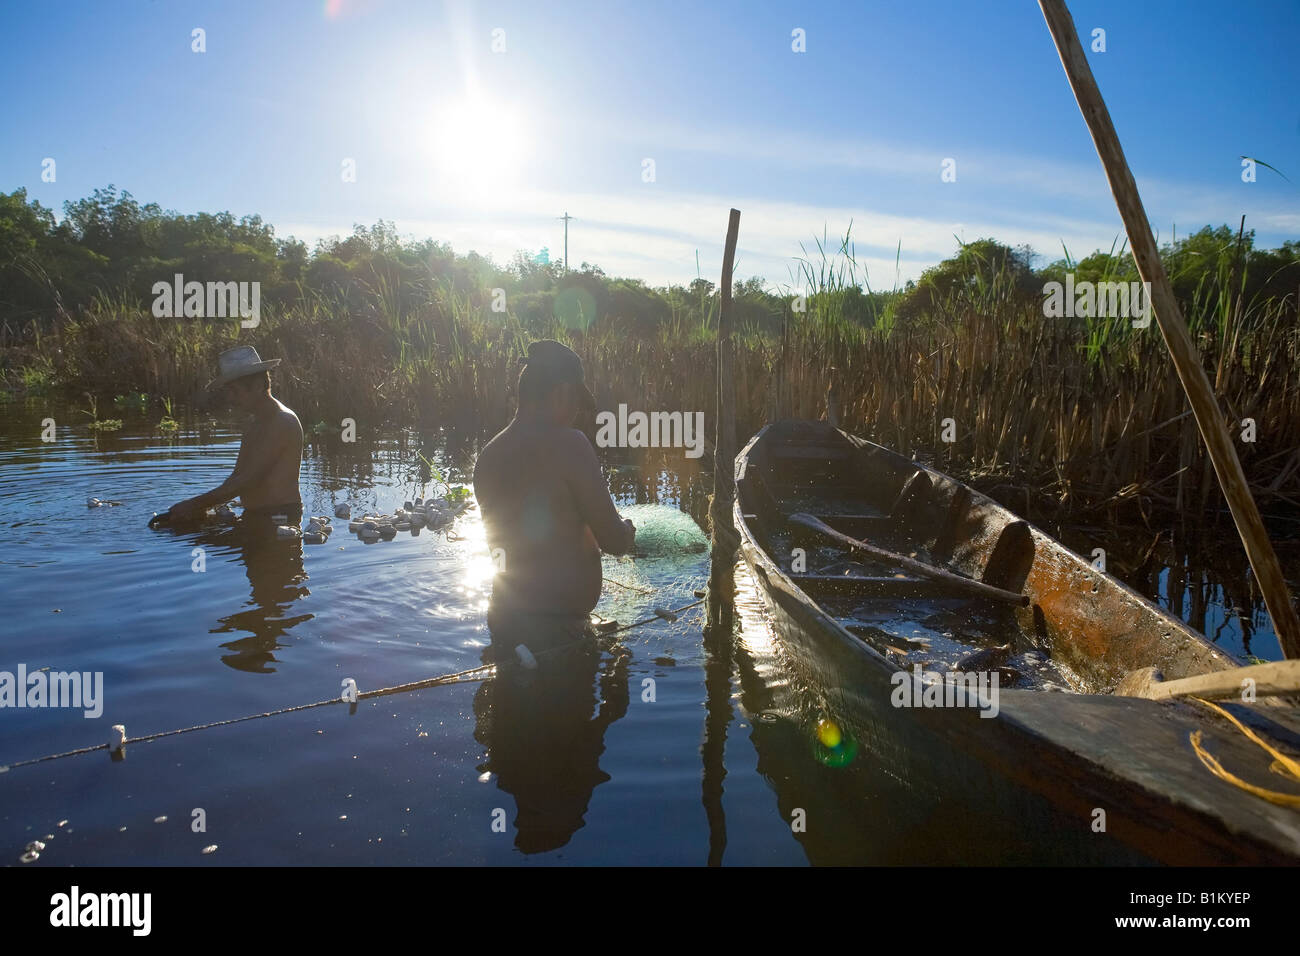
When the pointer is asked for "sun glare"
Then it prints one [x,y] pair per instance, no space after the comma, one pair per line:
[478,148]
[480,569]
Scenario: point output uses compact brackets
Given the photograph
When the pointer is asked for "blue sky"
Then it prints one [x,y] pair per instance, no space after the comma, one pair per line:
[484,149]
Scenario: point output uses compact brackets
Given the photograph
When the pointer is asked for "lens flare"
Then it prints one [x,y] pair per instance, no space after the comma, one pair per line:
[575,307]
[833,746]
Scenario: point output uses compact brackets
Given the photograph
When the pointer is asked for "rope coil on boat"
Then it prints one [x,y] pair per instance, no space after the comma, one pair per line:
[1282,765]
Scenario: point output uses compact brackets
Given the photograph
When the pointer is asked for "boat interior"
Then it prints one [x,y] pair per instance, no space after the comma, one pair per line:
[1073,629]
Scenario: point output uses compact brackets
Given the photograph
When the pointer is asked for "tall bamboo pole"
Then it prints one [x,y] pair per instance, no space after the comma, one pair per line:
[1209,417]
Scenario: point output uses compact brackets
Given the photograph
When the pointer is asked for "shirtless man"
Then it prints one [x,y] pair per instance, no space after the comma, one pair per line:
[265,478]
[545,504]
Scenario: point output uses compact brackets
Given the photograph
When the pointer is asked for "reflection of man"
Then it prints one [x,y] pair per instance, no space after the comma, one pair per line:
[547,511]
[543,743]
[545,506]
[277,580]
[265,478]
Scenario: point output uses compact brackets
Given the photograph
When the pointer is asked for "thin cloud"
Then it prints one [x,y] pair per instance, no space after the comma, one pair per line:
[655,236]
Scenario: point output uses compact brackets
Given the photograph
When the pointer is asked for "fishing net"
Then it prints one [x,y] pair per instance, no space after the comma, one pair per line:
[669,564]
[664,532]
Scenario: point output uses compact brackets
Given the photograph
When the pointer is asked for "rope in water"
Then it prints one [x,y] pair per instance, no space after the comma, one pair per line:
[456,678]
[1282,765]
[628,587]
[658,615]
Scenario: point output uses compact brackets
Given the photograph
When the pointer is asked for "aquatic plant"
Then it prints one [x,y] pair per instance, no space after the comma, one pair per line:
[167,423]
[96,423]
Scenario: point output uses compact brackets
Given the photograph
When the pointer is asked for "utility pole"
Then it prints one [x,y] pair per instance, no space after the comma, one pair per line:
[566,217]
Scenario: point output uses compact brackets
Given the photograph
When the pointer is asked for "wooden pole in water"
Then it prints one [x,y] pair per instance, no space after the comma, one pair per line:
[719,629]
[725,539]
[1209,417]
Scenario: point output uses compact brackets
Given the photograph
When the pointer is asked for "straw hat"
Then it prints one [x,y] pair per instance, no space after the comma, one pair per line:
[238,362]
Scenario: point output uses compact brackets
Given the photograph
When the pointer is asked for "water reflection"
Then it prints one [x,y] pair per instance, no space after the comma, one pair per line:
[718,667]
[543,742]
[277,580]
[1200,575]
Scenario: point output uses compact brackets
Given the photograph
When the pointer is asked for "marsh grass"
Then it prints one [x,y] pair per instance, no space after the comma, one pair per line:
[1078,412]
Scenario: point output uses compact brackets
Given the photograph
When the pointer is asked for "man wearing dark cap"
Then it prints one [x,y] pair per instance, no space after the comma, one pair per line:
[546,509]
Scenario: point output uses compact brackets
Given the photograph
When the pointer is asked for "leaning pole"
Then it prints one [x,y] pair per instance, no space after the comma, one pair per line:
[1187,360]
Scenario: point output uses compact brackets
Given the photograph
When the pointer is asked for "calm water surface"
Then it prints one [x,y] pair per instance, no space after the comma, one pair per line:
[711,770]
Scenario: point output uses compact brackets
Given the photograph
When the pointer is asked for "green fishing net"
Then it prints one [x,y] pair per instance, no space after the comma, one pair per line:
[664,532]
[670,562]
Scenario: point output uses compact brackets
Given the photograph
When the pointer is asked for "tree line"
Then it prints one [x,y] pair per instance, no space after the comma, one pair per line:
[110,245]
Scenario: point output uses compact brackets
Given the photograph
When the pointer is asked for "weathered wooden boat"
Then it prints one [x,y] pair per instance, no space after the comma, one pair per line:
[1003,701]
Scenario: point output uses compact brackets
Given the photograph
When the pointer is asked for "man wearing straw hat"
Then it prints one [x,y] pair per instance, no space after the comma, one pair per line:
[265,478]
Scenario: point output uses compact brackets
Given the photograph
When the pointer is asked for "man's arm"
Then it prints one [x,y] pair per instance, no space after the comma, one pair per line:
[251,467]
[613,534]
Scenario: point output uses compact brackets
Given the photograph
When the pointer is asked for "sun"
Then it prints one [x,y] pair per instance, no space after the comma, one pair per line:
[478,148]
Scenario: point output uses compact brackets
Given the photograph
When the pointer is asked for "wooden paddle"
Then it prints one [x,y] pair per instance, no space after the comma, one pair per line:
[1276,678]
[911,564]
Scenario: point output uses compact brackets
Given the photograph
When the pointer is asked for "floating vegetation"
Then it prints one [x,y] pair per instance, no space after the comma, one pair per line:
[168,424]
[96,423]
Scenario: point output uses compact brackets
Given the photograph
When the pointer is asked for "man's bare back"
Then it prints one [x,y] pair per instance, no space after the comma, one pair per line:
[546,507]
[266,472]
[270,456]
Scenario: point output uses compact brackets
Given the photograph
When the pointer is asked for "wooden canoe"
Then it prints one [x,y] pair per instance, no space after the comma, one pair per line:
[1052,747]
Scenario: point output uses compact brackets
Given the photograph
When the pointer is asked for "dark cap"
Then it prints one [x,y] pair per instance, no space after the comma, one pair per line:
[558,364]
